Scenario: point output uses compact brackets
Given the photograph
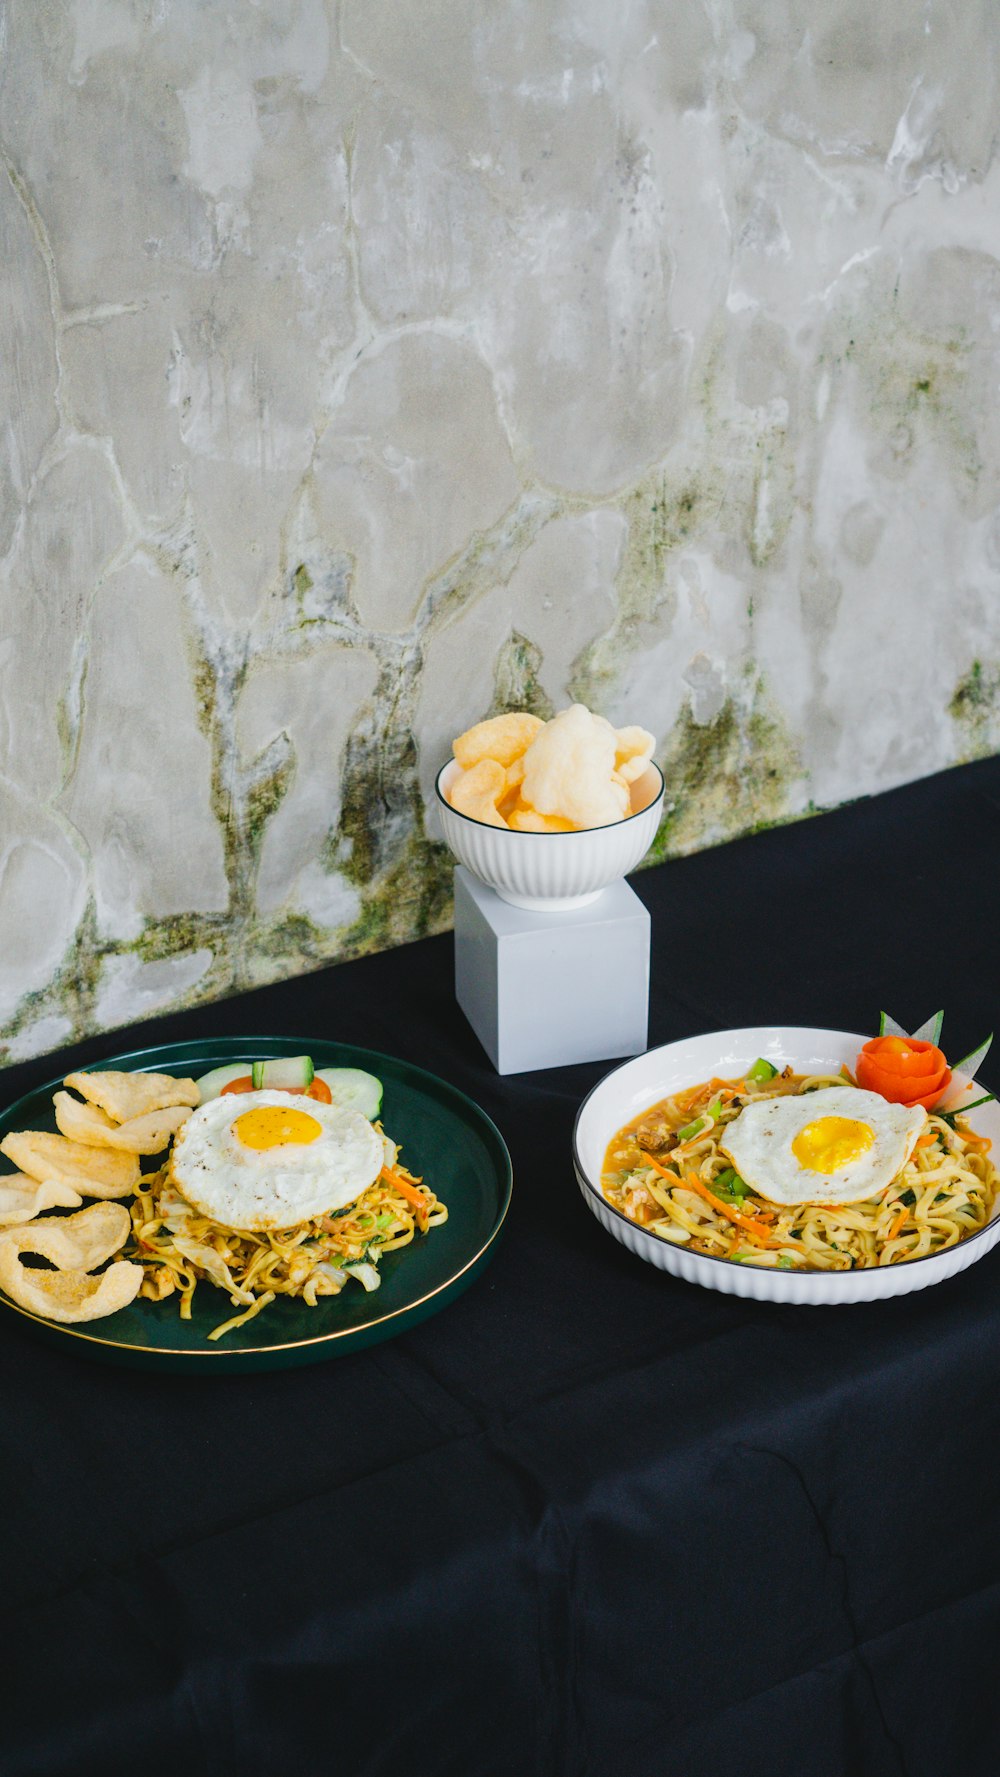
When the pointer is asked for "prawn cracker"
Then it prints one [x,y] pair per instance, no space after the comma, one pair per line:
[73,1243]
[124,1096]
[89,1125]
[503,738]
[69,1296]
[633,752]
[22,1198]
[96,1172]
[477,791]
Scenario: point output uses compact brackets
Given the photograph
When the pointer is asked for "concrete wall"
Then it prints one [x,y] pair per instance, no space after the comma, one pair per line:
[368,367]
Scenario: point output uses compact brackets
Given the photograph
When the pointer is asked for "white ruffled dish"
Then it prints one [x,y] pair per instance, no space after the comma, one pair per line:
[629,1089]
[552,872]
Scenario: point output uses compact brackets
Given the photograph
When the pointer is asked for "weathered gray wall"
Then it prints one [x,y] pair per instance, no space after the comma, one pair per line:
[369,366]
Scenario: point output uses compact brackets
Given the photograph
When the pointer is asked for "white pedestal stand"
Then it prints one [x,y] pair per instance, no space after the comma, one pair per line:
[548,989]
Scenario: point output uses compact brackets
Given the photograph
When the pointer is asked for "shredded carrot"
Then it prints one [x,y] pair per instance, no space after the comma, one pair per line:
[680,1152]
[897,1225]
[404,1187]
[924,1141]
[747,1223]
[687,1100]
[664,1172]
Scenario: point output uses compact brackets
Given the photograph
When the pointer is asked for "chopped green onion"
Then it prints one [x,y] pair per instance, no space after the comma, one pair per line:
[907,1197]
[785,1263]
[709,1115]
[730,1186]
[762,1070]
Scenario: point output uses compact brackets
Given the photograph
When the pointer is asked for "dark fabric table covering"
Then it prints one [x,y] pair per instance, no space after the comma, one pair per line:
[588,1519]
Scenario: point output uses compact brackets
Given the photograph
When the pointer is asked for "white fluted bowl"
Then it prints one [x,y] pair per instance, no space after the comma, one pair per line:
[727,1054]
[552,872]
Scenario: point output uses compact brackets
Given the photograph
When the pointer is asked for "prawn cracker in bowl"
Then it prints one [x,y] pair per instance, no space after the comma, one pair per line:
[568,775]
[501,738]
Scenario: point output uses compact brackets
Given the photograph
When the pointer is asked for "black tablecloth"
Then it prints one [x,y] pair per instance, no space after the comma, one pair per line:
[589,1519]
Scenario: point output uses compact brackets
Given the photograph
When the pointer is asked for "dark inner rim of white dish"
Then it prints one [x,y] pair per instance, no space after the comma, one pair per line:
[790,1271]
[580,833]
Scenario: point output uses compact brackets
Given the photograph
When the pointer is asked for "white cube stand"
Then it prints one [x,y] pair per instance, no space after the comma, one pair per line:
[548,989]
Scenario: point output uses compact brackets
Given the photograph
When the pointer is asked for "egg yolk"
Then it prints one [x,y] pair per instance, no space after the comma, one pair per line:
[272,1126]
[831,1142]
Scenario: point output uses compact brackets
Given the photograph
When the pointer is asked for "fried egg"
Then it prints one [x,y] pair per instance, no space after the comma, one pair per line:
[836,1145]
[260,1160]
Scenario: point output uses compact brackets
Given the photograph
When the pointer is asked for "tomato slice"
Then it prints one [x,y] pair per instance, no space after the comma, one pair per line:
[317,1089]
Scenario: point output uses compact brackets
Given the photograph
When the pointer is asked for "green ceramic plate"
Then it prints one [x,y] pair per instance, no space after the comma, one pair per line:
[443,1135]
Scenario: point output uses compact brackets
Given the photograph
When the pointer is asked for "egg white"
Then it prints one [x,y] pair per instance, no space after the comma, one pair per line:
[759,1144]
[250,1189]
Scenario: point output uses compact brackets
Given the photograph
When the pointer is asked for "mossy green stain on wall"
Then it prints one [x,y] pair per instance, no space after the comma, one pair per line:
[975,708]
[72,992]
[662,514]
[413,900]
[516,681]
[728,776]
[728,493]
[918,389]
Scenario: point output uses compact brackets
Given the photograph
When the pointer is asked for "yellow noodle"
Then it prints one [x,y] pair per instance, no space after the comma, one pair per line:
[954,1189]
[266,1264]
[240,1320]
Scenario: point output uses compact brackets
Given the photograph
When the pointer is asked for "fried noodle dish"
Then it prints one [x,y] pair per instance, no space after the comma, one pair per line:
[268,1179]
[668,1171]
[178,1246]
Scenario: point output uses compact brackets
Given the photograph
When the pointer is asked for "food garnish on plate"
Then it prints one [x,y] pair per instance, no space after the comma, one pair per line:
[814,1172]
[567,775]
[74,1245]
[279,1180]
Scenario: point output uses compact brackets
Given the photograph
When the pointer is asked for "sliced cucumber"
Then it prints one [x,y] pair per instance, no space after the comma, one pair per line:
[930,1031]
[289,1073]
[352,1088]
[211,1084]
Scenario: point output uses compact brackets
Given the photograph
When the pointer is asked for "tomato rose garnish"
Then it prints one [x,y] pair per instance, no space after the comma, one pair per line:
[905,1070]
